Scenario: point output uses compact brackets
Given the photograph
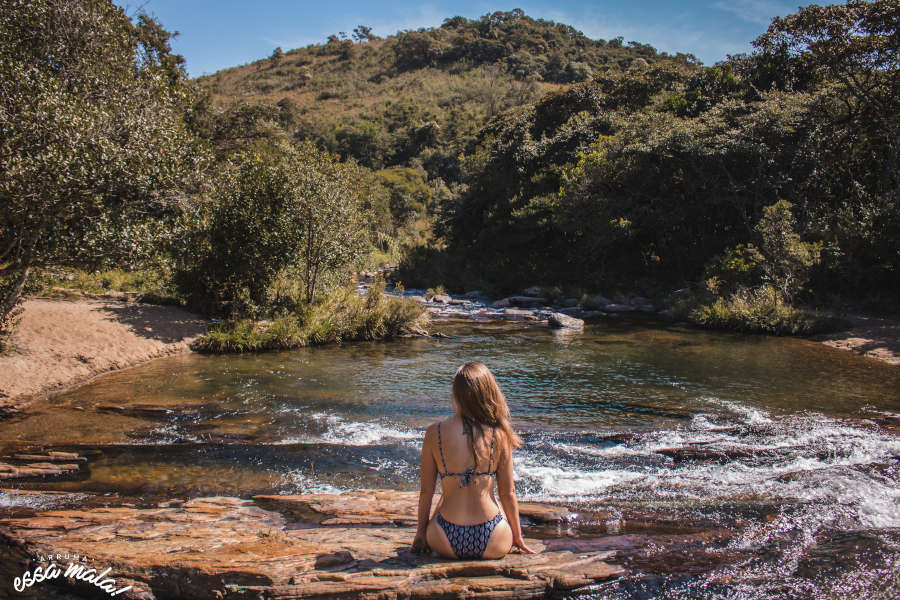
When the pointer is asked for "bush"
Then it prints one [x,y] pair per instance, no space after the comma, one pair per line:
[341,317]
[759,311]
[283,212]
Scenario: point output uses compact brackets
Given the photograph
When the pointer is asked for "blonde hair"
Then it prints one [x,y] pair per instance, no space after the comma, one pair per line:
[481,402]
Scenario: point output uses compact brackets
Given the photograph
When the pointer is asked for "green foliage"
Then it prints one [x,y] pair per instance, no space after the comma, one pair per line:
[95,154]
[416,99]
[341,317]
[647,173]
[278,212]
[760,311]
[786,259]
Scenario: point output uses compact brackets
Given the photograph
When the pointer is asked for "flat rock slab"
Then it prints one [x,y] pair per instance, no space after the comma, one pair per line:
[218,548]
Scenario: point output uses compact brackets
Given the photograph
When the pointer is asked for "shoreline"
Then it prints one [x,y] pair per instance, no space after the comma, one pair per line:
[59,345]
[102,335]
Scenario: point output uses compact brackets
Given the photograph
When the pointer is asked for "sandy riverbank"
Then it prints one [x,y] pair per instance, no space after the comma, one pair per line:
[60,343]
[870,336]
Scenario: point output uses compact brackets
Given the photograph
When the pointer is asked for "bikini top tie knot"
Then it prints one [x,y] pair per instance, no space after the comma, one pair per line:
[465,478]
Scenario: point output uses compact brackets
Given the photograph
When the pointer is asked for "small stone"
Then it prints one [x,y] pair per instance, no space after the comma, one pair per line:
[560,320]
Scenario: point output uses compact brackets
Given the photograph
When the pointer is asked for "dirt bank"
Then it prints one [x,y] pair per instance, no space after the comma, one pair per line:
[870,336]
[61,343]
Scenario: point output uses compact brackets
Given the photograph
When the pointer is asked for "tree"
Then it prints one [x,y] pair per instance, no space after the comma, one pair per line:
[93,138]
[277,210]
[277,57]
[857,45]
[331,207]
[364,34]
[786,259]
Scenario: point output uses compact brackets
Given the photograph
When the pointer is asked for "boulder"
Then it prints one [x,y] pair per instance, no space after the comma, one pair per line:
[233,548]
[562,321]
[599,300]
[570,302]
[526,301]
[474,294]
[442,298]
[534,290]
[618,308]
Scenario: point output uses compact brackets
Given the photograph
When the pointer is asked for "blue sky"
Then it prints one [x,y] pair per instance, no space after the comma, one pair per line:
[222,33]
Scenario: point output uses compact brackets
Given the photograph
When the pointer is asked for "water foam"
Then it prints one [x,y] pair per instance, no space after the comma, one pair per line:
[801,458]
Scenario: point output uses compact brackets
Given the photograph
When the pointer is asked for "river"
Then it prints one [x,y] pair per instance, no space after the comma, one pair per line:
[651,430]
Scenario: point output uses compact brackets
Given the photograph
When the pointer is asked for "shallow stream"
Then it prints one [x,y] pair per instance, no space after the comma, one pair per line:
[760,458]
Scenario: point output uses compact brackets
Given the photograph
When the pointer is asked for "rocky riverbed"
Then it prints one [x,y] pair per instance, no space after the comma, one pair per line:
[350,545]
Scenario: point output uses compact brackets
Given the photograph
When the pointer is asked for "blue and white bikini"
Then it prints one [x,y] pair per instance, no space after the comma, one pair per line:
[468,541]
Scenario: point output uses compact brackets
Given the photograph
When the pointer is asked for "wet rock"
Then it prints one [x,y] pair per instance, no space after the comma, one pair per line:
[705,453]
[518,314]
[889,419]
[645,308]
[52,456]
[151,411]
[42,469]
[441,298]
[618,308]
[559,320]
[474,294]
[522,301]
[232,548]
[458,301]
[570,302]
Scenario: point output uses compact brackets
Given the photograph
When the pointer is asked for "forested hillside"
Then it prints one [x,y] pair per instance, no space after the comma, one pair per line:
[408,105]
[536,155]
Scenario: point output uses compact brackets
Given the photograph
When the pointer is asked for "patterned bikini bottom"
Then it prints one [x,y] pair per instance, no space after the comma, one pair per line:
[469,541]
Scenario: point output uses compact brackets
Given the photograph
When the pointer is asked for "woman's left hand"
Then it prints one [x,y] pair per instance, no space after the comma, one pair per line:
[420,544]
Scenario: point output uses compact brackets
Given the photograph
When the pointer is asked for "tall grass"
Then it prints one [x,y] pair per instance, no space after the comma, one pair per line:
[343,316]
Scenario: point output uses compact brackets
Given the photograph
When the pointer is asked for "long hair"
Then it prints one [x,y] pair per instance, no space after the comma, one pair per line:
[481,402]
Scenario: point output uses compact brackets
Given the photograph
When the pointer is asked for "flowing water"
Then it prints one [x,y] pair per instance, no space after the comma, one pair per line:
[720,465]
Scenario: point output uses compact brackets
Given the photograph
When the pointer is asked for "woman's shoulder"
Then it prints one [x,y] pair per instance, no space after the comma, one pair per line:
[431,430]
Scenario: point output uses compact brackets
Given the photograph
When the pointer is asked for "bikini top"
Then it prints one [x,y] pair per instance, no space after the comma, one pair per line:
[466,477]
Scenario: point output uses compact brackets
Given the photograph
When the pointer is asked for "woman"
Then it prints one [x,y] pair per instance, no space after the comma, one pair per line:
[469,450]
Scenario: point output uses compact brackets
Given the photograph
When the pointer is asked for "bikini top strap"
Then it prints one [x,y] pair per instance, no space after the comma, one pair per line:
[441,449]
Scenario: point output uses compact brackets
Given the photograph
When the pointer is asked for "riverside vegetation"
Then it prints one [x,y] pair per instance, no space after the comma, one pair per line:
[491,153]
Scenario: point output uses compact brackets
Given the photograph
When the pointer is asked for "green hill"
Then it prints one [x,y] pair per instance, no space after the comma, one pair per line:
[417,98]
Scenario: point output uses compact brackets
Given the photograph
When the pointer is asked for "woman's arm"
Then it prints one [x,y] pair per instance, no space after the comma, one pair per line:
[507,490]
[427,482]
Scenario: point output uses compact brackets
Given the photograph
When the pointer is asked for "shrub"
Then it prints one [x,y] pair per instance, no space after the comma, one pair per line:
[760,311]
[342,316]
